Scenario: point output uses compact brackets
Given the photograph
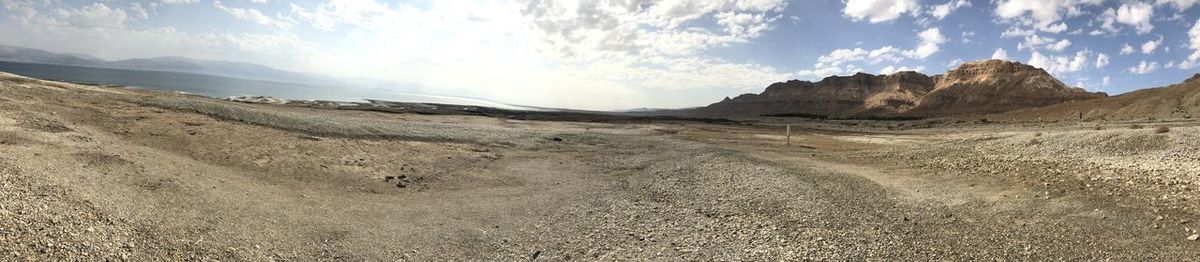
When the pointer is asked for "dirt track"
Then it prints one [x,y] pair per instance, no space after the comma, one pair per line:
[92,173]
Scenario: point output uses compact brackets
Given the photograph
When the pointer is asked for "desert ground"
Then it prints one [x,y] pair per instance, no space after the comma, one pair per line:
[102,173]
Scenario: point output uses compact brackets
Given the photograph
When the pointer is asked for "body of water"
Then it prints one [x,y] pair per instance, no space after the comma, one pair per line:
[220,86]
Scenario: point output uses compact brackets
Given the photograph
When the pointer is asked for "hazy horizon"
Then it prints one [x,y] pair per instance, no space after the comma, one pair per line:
[612,55]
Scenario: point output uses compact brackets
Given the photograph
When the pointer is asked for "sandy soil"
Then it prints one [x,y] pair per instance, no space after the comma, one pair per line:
[90,173]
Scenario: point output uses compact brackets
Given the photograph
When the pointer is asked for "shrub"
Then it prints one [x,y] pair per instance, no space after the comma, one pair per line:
[1162,129]
[1135,126]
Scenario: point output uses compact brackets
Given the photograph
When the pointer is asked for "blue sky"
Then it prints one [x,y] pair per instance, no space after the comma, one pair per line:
[615,54]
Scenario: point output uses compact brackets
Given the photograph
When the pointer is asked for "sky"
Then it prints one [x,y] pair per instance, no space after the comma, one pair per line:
[622,54]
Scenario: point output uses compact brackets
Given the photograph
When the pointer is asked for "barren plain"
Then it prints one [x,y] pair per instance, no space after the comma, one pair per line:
[100,173]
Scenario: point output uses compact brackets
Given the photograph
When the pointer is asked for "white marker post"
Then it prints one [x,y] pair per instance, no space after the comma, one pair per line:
[789,134]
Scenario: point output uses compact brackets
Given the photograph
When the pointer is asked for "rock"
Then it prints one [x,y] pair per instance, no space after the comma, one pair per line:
[258,100]
[557,139]
[1193,237]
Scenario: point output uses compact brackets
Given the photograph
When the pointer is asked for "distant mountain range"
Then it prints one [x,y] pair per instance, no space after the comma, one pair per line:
[171,64]
[975,88]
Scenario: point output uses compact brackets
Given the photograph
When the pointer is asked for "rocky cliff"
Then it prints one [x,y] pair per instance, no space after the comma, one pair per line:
[982,87]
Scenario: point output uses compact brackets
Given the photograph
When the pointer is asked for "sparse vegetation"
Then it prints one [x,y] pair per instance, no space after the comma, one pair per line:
[1135,126]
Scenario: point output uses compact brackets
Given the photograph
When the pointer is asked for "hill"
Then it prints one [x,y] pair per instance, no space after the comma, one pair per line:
[1176,101]
[171,64]
[982,87]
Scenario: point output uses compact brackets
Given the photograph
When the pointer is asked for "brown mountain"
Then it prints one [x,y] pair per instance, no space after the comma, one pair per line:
[974,88]
[1170,102]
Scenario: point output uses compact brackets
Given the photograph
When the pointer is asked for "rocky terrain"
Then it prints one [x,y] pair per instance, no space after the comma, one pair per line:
[1178,101]
[102,173]
[974,88]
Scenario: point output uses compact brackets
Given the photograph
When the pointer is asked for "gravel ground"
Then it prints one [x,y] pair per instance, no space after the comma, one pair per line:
[1162,169]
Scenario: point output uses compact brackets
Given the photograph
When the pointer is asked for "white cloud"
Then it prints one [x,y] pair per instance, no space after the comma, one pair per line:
[1105,81]
[96,15]
[829,71]
[1000,54]
[745,25]
[581,30]
[1058,46]
[892,69]
[1144,68]
[1060,64]
[1108,23]
[139,11]
[842,60]
[1034,42]
[282,50]
[941,11]
[842,56]
[885,54]
[1101,60]
[1016,32]
[1185,64]
[1181,5]
[180,1]
[877,11]
[954,63]
[1194,44]
[1055,28]
[1126,49]
[1149,46]
[248,14]
[930,40]
[1136,14]
[1041,14]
